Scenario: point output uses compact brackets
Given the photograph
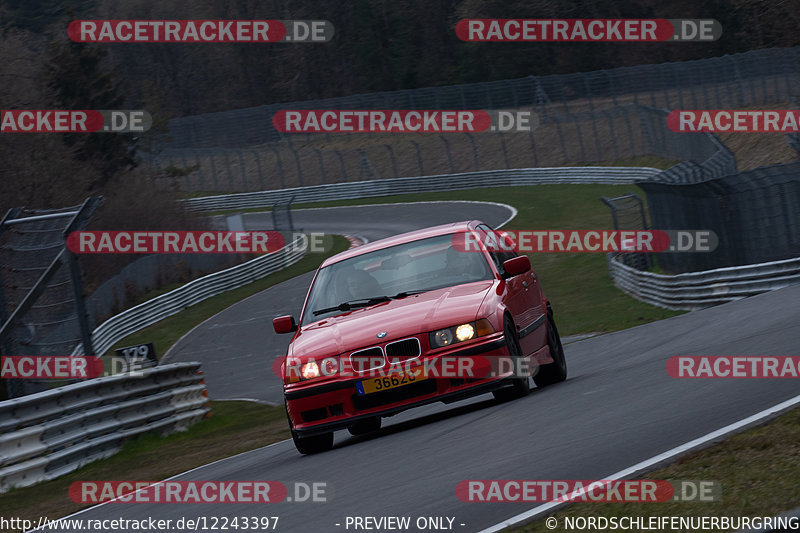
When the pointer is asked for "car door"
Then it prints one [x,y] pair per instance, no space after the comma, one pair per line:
[523,297]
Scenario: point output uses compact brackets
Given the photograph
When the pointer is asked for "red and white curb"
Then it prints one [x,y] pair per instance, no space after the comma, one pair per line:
[355,241]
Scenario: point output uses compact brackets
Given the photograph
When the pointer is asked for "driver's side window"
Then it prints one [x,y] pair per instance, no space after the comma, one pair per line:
[498,257]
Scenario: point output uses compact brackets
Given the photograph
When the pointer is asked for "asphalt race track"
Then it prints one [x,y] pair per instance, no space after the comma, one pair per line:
[617,408]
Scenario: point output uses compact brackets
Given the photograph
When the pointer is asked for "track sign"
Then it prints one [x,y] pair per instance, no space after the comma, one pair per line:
[139,356]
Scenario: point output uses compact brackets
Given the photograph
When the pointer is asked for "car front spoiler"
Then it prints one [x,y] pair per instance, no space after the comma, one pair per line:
[449,397]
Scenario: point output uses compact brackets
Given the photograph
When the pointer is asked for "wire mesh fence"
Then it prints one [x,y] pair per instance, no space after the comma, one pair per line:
[627,213]
[748,78]
[590,117]
[621,133]
[39,307]
[755,214]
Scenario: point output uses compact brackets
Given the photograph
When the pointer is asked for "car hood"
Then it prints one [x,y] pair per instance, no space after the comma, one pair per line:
[401,318]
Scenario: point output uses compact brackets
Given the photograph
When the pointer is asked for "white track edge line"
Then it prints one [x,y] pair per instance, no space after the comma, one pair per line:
[656,460]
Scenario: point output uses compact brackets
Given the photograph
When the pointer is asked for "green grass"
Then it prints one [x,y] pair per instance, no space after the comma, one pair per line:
[166,332]
[234,427]
[757,471]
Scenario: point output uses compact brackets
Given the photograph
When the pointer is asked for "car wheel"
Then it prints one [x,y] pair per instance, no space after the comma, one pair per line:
[313,444]
[557,370]
[368,425]
[519,386]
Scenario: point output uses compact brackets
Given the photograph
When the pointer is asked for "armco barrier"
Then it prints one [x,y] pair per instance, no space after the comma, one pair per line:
[697,290]
[47,434]
[445,182]
[131,320]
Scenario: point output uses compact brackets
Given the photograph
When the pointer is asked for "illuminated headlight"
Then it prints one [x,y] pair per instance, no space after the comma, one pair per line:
[463,332]
[309,370]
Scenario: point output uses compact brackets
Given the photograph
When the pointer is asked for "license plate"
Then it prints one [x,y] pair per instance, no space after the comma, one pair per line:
[390,381]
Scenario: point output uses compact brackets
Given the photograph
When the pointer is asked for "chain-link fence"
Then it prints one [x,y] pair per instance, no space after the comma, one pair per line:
[42,309]
[583,117]
[621,133]
[627,213]
[755,214]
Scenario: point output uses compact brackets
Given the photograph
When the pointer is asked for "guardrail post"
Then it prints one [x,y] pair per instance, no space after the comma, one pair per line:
[449,155]
[341,164]
[419,158]
[391,156]
[280,165]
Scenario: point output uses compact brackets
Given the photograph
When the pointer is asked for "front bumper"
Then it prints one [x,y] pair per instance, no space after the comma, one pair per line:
[333,405]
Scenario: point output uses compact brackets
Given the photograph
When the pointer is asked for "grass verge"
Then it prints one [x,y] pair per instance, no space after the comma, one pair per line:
[234,427]
[757,471]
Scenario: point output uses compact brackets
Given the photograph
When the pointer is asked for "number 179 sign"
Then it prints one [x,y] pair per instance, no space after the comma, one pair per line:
[139,356]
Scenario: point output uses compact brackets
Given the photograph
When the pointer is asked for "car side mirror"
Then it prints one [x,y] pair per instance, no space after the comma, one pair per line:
[517,265]
[284,324]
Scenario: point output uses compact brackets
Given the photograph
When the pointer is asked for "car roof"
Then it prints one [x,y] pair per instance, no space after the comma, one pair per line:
[434,231]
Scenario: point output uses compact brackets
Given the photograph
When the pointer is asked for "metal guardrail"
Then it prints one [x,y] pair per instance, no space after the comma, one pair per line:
[47,434]
[444,182]
[697,290]
[131,320]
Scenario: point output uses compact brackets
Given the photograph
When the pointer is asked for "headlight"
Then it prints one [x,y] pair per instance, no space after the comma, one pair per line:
[443,337]
[309,370]
[463,332]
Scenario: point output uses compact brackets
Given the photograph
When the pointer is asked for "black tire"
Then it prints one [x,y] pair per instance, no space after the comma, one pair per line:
[313,444]
[368,425]
[519,386]
[557,370]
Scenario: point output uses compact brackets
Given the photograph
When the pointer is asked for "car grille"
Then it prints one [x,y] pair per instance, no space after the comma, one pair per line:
[399,351]
[376,399]
[369,359]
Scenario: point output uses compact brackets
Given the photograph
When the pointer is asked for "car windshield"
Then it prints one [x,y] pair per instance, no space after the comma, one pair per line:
[390,273]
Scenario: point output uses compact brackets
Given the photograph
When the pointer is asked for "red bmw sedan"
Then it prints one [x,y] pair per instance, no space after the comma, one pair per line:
[427,316]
